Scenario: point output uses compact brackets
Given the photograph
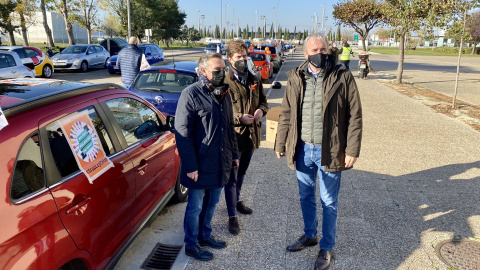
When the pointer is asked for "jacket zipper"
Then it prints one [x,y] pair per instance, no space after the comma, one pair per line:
[312,134]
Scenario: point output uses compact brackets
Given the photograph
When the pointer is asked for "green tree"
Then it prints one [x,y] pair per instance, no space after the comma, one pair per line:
[111,25]
[338,35]
[410,15]
[217,32]
[279,33]
[259,32]
[26,12]
[189,34]
[7,8]
[473,26]
[361,15]
[287,34]
[272,33]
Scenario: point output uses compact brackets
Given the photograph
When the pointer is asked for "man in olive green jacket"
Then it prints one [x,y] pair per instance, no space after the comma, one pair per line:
[249,105]
[320,131]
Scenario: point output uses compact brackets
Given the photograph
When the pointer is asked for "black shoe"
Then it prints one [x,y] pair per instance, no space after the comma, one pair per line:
[323,260]
[198,253]
[302,243]
[233,226]
[213,243]
[243,209]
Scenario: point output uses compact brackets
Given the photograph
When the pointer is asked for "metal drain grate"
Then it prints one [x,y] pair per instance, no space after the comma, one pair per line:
[162,257]
[460,254]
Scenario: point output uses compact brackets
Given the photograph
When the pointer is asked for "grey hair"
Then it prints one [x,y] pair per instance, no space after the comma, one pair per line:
[316,36]
[202,62]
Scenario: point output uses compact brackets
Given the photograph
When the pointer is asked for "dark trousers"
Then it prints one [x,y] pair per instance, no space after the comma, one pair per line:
[234,185]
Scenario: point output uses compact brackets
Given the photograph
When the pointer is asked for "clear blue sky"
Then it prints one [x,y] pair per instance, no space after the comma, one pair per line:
[290,13]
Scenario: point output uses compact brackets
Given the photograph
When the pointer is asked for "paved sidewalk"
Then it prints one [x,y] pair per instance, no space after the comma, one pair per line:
[416,183]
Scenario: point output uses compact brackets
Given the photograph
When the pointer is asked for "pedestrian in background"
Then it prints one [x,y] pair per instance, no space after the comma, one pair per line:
[207,146]
[249,105]
[333,50]
[345,52]
[320,131]
[128,61]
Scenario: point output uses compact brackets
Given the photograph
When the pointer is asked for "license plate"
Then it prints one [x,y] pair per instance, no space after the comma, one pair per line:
[363,66]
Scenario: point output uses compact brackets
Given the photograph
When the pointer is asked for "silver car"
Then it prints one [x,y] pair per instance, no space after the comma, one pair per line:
[81,57]
[11,67]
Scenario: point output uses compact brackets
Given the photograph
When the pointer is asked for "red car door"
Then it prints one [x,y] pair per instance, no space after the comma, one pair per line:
[151,148]
[97,215]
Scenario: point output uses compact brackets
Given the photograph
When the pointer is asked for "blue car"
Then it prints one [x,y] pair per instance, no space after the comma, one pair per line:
[153,54]
[162,84]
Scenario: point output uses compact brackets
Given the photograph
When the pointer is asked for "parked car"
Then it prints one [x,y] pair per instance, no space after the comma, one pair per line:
[163,83]
[275,54]
[33,58]
[262,59]
[81,57]
[153,54]
[11,66]
[51,215]
[212,48]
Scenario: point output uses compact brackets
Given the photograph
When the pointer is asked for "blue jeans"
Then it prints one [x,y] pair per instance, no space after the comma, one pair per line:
[198,215]
[234,185]
[307,168]
[346,63]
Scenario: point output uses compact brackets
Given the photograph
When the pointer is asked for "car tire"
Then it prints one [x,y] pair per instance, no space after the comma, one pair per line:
[84,66]
[105,64]
[181,192]
[111,72]
[47,71]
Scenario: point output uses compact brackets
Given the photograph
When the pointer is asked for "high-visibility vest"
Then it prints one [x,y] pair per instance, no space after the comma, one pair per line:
[346,53]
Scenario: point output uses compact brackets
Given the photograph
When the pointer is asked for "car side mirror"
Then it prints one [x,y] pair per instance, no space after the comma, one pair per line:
[170,123]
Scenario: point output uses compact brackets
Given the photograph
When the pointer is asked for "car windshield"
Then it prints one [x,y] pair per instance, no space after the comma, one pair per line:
[213,45]
[257,56]
[165,82]
[75,49]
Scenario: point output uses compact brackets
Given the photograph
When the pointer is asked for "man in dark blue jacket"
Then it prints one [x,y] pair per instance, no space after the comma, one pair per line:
[128,61]
[207,146]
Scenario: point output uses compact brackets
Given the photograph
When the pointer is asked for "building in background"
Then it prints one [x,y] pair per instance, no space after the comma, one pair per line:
[36,32]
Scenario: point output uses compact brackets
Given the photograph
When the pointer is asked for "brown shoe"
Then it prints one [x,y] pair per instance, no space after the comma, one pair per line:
[323,260]
[302,243]
[233,226]
[242,208]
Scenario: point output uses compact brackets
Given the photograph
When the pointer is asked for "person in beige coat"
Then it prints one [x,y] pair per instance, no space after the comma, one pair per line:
[319,131]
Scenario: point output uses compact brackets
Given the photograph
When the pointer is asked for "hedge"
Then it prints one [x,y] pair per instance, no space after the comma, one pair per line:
[465,50]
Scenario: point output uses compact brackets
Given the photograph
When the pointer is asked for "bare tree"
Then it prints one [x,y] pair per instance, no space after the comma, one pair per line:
[86,16]
[43,8]
[64,9]
[7,7]
[25,10]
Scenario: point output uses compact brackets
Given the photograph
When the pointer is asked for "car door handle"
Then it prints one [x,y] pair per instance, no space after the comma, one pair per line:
[141,167]
[78,208]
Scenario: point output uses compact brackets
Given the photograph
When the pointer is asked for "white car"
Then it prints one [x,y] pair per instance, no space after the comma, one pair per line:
[81,57]
[11,67]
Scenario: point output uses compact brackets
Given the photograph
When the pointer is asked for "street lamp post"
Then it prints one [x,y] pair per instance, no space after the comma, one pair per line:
[226,26]
[128,20]
[276,21]
[264,24]
[221,18]
[273,23]
[198,18]
[256,19]
[233,22]
[203,24]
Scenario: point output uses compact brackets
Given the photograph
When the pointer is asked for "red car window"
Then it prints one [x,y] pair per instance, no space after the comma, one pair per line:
[63,156]
[136,120]
[28,173]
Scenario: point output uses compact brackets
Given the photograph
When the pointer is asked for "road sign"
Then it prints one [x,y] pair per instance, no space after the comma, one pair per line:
[355,37]
[148,32]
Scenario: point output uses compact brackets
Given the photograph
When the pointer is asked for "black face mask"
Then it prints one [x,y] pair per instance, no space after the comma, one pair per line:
[218,76]
[240,65]
[318,60]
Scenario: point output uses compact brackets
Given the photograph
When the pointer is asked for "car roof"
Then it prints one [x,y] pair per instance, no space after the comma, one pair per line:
[19,95]
[186,66]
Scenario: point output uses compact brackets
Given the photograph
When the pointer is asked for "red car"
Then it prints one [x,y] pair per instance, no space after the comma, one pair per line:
[262,59]
[83,168]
